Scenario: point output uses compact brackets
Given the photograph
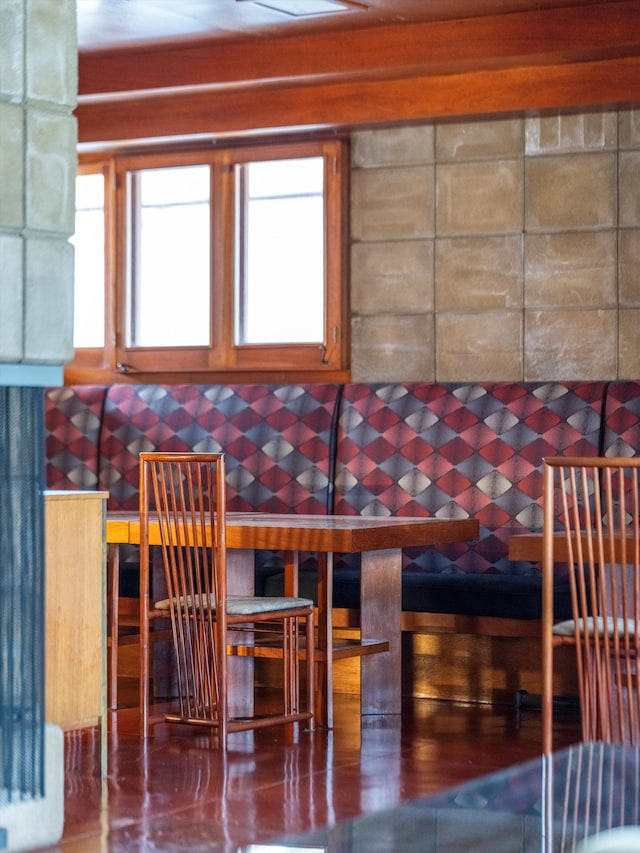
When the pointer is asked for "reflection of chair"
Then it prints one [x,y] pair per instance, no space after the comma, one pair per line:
[592,521]
[594,793]
[186,491]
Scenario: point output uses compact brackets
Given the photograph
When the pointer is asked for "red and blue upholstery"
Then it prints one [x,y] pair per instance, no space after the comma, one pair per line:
[73,422]
[415,448]
[476,450]
[277,440]
[472,450]
[621,434]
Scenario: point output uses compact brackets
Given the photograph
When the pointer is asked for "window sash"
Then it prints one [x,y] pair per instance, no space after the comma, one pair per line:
[223,354]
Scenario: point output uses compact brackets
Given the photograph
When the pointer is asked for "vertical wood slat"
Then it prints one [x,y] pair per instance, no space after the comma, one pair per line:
[596,503]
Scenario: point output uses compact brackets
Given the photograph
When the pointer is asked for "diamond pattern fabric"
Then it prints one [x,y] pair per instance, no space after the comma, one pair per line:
[73,417]
[277,440]
[622,420]
[399,448]
[431,449]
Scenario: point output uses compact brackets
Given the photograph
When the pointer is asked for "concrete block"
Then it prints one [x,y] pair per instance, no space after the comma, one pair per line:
[39,822]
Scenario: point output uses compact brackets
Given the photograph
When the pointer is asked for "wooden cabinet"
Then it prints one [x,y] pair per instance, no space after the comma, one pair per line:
[75,609]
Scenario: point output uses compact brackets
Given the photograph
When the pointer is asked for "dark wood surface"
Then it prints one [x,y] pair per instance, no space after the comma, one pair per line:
[178,792]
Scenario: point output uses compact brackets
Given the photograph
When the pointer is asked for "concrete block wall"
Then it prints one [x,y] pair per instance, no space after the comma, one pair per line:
[497,250]
[38,140]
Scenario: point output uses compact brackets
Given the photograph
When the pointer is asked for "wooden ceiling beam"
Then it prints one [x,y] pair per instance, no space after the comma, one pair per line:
[358,103]
[604,30]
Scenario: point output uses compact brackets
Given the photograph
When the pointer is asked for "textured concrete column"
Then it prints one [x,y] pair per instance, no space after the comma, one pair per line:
[38,91]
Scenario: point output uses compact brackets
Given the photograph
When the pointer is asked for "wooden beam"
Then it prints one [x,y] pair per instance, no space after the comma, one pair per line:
[357,103]
[537,37]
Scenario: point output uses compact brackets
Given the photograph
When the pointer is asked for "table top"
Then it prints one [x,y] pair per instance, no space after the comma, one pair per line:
[324,533]
[549,804]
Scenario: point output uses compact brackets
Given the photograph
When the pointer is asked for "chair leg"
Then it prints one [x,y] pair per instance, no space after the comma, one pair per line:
[113,581]
[290,665]
[311,670]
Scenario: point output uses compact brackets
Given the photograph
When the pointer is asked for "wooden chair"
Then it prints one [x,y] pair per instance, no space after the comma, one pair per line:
[186,492]
[592,522]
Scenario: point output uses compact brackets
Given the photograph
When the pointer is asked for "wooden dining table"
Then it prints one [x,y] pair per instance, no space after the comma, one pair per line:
[379,541]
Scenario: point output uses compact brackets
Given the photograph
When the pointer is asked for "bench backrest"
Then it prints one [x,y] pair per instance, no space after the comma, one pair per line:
[445,450]
[277,440]
[422,448]
[73,424]
[621,422]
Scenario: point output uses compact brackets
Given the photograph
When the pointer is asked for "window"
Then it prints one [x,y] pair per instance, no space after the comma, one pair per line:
[281,234]
[218,262]
[167,257]
[89,243]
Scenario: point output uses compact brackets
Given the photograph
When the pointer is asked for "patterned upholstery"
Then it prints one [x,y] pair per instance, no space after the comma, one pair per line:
[622,420]
[73,418]
[277,440]
[399,448]
[460,450]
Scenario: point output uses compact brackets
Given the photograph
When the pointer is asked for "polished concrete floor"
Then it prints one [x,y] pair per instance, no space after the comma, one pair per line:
[178,792]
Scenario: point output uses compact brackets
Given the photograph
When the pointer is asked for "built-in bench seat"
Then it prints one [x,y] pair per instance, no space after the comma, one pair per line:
[470,449]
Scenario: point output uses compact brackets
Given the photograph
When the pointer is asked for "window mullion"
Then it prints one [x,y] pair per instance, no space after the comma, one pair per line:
[222,232]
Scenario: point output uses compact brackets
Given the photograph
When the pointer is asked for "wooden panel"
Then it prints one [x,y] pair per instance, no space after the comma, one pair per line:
[75,608]
[106,25]
[471,668]
[361,103]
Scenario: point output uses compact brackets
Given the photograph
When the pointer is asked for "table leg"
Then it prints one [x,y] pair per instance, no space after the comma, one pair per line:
[380,615]
[324,644]
[113,600]
[291,564]
[240,581]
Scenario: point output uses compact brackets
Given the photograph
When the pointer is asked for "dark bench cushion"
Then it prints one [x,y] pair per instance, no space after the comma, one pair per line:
[461,594]
[505,596]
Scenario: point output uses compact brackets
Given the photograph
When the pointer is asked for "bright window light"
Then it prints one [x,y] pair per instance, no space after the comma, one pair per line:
[88,241]
[305,7]
[280,279]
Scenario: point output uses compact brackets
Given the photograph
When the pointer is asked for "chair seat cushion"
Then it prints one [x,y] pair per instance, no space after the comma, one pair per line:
[242,605]
[568,627]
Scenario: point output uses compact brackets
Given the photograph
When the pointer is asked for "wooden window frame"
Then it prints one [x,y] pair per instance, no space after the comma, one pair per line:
[223,359]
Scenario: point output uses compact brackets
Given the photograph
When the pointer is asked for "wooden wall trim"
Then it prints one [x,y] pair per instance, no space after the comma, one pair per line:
[358,102]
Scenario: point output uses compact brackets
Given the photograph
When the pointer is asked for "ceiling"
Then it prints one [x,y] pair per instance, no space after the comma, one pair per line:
[109,24]
[150,69]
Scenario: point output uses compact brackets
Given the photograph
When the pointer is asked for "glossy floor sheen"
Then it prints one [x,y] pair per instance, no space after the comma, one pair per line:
[179,792]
